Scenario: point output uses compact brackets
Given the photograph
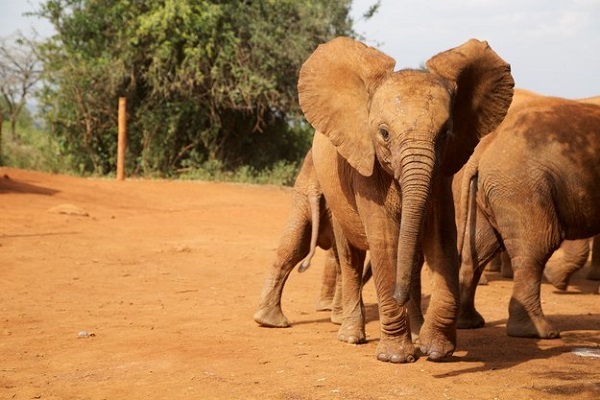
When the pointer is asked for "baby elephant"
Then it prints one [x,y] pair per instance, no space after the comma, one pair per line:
[530,185]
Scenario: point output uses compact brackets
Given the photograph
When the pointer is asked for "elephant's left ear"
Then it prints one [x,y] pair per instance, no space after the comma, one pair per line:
[484,90]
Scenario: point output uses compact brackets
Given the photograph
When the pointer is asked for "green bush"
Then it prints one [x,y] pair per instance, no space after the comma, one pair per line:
[32,149]
[281,173]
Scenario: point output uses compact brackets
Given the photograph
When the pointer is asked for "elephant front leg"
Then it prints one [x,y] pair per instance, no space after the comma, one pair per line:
[438,335]
[395,344]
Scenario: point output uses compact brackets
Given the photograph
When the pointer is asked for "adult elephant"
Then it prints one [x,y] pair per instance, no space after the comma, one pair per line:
[536,179]
[386,147]
[594,272]
[575,252]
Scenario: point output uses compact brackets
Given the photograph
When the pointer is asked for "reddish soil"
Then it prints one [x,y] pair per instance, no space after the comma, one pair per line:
[165,278]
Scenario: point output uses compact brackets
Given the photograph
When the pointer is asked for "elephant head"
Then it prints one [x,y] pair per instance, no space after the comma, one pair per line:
[410,124]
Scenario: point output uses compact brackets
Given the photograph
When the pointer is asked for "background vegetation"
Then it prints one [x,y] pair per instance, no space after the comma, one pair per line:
[210,85]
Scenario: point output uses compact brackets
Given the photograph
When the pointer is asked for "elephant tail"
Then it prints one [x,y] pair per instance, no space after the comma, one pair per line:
[314,202]
[466,208]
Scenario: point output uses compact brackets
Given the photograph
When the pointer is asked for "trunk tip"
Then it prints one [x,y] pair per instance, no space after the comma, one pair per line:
[401,295]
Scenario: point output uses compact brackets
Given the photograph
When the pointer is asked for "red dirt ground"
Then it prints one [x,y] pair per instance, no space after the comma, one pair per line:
[166,276]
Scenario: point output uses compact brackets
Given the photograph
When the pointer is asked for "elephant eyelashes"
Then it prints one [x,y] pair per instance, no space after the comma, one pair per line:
[385,135]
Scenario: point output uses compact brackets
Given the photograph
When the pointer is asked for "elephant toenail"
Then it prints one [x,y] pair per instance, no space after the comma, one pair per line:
[410,359]
[382,357]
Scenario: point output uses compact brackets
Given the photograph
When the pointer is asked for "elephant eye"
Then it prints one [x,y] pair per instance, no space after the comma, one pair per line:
[446,131]
[383,132]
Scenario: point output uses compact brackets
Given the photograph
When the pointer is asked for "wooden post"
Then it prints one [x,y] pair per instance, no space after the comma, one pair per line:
[122,141]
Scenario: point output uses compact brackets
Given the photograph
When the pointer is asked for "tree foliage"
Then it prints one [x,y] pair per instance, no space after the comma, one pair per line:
[204,80]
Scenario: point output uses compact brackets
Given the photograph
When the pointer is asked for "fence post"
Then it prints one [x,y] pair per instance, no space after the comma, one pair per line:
[122,139]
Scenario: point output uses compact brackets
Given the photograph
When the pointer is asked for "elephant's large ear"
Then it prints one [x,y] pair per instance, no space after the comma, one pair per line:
[334,89]
[484,89]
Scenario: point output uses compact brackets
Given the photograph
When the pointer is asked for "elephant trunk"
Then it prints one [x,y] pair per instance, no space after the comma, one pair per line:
[415,175]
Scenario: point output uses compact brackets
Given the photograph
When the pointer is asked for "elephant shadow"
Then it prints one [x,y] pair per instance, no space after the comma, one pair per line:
[9,185]
[371,314]
[491,347]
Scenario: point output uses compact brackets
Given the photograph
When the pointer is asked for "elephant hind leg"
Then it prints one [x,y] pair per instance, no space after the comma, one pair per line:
[293,247]
[526,318]
[328,286]
[352,329]
[530,232]
[478,250]
[528,258]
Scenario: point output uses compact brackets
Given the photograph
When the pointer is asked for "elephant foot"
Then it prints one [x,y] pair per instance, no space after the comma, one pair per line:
[396,349]
[352,332]
[469,319]
[557,277]
[527,328]
[324,304]
[271,317]
[437,344]
[336,317]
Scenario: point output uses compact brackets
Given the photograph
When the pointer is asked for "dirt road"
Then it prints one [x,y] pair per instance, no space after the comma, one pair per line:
[146,290]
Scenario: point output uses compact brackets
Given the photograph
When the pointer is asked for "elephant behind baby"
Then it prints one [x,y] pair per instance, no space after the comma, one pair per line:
[537,179]
[308,226]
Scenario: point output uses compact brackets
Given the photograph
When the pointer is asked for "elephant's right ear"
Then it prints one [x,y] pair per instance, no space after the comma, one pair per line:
[484,90]
[334,90]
